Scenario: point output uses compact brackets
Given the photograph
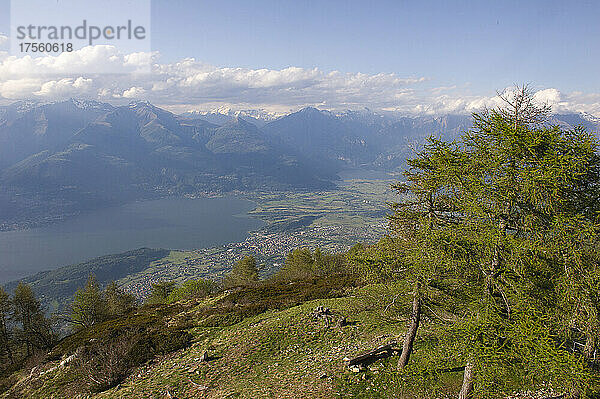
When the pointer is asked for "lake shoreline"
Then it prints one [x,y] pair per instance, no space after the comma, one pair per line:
[173,222]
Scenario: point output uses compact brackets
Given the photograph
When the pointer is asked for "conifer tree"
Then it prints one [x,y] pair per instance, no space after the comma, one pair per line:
[299,264]
[420,226]
[244,272]
[160,292]
[118,302]
[89,305]
[36,331]
[511,210]
[5,336]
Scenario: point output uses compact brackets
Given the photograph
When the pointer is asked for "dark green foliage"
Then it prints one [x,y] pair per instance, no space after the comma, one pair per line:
[91,305]
[301,263]
[5,333]
[25,332]
[244,272]
[35,332]
[118,302]
[165,292]
[60,284]
[252,300]
[192,289]
[160,292]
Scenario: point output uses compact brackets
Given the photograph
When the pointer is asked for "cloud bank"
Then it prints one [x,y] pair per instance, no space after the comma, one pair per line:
[190,84]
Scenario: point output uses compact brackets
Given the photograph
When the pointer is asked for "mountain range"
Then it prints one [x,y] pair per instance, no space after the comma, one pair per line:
[64,157]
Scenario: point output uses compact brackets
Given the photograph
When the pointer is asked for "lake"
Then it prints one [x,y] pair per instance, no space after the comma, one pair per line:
[172,223]
[365,174]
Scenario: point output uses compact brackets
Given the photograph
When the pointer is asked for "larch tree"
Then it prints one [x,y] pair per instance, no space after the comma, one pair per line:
[5,336]
[244,272]
[160,292]
[89,305]
[498,209]
[36,331]
[118,302]
[419,224]
[522,182]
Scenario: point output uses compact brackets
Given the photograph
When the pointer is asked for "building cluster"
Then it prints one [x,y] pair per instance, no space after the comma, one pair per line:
[269,248]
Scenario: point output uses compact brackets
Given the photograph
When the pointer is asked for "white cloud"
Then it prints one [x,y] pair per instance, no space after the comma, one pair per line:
[195,83]
[3,39]
[101,57]
[134,92]
[65,88]
[19,89]
[139,59]
[548,96]
[192,84]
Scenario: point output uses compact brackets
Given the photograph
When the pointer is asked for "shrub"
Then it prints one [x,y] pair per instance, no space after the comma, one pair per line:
[104,363]
[301,263]
[244,272]
[192,289]
[272,294]
[160,292]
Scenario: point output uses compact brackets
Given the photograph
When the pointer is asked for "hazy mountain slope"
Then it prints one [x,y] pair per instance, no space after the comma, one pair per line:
[81,154]
[56,287]
[257,118]
[361,138]
[238,137]
[30,129]
[322,136]
[569,120]
[400,139]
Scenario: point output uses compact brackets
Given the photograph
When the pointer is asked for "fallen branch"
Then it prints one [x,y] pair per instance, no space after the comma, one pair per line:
[378,353]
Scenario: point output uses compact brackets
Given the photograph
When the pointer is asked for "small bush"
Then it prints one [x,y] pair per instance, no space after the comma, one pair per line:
[244,273]
[104,364]
[192,289]
[303,264]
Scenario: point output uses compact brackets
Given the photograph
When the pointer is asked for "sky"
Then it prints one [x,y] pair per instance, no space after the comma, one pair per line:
[403,56]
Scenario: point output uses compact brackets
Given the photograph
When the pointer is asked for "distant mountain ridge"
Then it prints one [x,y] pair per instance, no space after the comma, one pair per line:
[62,157]
[223,115]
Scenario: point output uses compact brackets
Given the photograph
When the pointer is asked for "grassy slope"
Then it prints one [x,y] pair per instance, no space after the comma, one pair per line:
[265,343]
[279,354]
